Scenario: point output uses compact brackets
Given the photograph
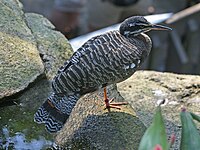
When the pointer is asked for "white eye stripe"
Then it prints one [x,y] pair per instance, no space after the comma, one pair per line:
[141,24]
[137,24]
[129,32]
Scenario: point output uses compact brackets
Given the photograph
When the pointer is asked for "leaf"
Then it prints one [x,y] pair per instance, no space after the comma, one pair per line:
[155,134]
[195,117]
[190,138]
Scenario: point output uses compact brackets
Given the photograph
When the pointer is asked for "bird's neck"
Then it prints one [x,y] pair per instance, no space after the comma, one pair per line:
[143,43]
[142,38]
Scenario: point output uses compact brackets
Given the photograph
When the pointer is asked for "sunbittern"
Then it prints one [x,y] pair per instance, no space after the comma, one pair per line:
[103,60]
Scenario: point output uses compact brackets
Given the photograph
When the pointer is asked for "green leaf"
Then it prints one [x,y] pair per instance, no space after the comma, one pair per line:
[155,134]
[190,138]
[195,117]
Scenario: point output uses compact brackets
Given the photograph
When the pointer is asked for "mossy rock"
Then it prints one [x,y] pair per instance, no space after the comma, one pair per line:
[16,119]
[27,41]
[53,47]
[12,20]
[20,64]
[29,47]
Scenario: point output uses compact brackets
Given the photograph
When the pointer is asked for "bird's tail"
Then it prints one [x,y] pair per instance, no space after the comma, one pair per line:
[55,111]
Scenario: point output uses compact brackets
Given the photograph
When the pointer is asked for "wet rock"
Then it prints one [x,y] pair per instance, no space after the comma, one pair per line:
[16,118]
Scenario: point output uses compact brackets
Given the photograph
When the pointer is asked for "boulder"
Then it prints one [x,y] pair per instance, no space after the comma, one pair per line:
[29,48]
[20,63]
[92,127]
[31,52]
[146,89]
[53,47]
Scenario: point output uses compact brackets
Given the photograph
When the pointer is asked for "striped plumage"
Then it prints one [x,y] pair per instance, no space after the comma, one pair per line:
[103,60]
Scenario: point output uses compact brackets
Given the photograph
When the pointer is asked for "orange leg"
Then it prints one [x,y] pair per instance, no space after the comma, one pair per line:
[109,103]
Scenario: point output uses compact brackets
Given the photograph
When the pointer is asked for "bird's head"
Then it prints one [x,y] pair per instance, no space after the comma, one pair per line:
[138,24]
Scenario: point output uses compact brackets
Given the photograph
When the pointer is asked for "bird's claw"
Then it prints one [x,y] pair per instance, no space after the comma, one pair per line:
[116,105]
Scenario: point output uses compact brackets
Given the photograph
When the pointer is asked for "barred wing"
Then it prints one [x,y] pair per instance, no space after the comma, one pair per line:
[103,60]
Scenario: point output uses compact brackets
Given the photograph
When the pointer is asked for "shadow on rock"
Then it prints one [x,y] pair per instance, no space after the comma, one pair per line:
[115,130]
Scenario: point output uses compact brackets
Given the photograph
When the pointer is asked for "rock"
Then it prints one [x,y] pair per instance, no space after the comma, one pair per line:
[20,63]
[29,48]
[91,127]
[12,20]
[145,89]
[54,48]
[30,53]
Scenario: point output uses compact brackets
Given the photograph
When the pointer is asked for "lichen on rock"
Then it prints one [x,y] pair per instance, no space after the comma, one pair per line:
[20,64]
[29,47]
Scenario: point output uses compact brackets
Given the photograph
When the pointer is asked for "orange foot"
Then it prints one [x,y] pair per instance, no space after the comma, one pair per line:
[109,103]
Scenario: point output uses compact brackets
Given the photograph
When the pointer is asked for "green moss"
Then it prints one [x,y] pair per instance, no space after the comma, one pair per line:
[19,117]
[21,120]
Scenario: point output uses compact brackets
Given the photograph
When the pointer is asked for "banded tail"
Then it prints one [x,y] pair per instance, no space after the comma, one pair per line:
[55,111]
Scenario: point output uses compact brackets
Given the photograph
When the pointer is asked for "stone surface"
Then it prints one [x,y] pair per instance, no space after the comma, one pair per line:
[29,47]
[92,127]
[12,20]
[146,89]
[30,53]
[20,63]
[54,48]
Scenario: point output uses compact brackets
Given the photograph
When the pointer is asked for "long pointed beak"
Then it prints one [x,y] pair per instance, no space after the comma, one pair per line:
[159,27]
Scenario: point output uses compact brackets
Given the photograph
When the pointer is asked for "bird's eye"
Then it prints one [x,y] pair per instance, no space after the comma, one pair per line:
[141,25]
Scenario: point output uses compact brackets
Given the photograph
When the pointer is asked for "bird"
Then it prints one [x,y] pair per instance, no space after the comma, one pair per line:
[103,60]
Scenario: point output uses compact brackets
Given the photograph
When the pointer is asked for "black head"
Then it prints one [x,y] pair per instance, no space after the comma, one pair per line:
[138,24]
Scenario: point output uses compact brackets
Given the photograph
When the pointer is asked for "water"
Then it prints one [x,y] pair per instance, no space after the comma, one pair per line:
[19,142]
